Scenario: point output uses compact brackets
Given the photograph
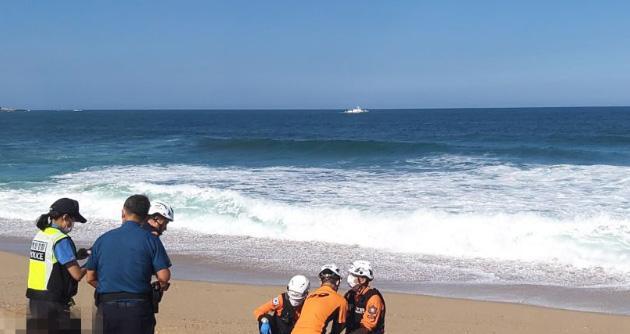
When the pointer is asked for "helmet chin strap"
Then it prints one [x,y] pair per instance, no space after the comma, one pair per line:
[361,286]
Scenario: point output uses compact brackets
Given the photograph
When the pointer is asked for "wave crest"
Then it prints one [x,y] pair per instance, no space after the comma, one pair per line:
[459,216]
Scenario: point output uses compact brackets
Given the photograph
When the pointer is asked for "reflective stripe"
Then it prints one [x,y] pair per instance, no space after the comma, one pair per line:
[42,258]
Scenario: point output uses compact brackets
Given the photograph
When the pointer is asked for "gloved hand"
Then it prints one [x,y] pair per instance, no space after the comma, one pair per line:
[83,253]
[264,327]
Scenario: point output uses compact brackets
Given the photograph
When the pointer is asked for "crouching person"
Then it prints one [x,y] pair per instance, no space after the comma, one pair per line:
[324,305]
[278,316]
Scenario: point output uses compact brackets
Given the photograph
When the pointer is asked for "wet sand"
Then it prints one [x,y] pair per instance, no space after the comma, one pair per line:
[254,265]
[201,307]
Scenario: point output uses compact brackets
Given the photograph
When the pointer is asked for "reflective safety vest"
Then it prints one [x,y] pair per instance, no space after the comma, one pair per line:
[47,278]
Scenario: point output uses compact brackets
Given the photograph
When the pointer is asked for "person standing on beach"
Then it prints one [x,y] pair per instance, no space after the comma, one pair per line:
[122,263]
[278,316]
[160,214]
[323,305]
[53,271]
[366,306]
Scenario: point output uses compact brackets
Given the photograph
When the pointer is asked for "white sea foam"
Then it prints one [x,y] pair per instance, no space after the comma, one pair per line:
[561,215]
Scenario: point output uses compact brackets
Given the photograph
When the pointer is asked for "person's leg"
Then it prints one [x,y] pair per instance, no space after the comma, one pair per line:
[41,317]
[128,317]
[36,318]
[112,317]
[146,316]
[280,327]
[275,326]
[66,323]
[141,317]
[97,320]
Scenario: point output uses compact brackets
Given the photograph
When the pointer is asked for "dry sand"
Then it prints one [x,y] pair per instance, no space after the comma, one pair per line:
[200,307]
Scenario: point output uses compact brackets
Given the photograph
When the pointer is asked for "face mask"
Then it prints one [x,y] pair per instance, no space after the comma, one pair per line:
[68,228]
[352,281]
[296,302]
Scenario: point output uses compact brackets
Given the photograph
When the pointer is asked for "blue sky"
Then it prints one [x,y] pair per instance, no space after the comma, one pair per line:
[313,54]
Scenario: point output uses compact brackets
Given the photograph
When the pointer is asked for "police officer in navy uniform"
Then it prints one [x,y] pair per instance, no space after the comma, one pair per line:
[122,263]
[53,272]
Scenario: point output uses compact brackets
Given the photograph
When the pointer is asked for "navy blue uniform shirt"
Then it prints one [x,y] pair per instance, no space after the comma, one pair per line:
[125,259]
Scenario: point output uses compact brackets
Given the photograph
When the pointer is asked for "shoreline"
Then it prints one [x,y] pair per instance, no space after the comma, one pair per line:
[202,307]
[214,270]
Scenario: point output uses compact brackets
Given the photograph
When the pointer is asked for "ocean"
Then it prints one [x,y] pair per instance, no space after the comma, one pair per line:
[525,196]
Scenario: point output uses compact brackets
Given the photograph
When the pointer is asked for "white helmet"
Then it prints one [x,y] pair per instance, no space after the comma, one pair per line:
[298,286]
[361,268]
[162,209]
[329,270]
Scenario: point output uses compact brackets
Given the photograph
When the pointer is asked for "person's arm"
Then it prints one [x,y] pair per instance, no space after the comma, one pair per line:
[161,263]
[163,277]
[339,318]
[268,307]
[91,265]
[92,278]
[65,254]
[373,313]
[262,313]
[337,326]
[75,271]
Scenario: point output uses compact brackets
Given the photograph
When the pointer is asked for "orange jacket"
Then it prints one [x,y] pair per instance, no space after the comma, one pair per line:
[322,306]
[275,307]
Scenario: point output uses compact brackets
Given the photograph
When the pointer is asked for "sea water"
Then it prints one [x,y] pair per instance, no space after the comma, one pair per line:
[458,196]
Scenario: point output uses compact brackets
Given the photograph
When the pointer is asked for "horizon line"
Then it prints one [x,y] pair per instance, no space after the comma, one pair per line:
[315,109]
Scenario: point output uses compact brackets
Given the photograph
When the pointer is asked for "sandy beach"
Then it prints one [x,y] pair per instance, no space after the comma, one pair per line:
[474,156]
[201,307]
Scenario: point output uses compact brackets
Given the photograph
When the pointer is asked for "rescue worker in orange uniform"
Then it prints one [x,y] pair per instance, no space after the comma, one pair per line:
[160,215]
[323,305]
[366,306]
[278,316]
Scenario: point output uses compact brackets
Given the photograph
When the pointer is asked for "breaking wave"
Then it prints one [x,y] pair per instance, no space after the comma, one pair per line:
[573,215]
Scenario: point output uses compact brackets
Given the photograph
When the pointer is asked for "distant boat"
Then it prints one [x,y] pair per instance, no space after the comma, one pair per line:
[77,110]
[5,109]
[356,110]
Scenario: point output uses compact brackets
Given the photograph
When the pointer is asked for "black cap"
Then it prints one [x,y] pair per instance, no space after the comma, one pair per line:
[68,206]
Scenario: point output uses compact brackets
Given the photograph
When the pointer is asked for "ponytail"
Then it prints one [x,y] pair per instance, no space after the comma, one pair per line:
[43,221]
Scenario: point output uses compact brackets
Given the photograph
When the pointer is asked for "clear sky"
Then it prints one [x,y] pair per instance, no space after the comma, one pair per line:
[313,54]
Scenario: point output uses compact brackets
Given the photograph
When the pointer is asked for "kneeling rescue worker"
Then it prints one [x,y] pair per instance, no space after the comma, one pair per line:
[278,316]
[323,305]
[366,306]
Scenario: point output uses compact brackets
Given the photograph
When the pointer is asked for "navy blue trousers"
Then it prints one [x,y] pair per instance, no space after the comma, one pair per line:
[125,317]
